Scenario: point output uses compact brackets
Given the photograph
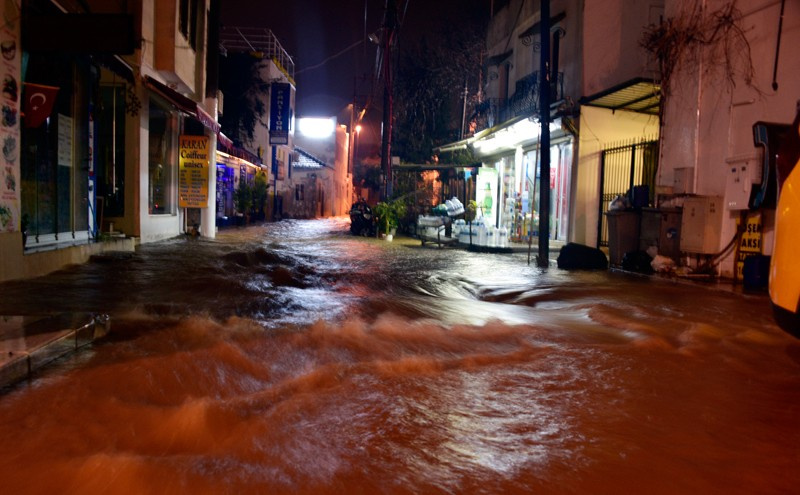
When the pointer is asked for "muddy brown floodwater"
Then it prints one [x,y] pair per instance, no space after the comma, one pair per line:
[294,358]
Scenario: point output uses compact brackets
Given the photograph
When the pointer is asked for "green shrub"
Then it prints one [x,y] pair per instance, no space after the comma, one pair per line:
[389,214]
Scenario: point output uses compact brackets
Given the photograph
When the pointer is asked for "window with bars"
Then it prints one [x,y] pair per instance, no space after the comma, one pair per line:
[625,170]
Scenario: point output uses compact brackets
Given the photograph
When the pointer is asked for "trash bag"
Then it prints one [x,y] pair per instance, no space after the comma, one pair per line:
[637,261]
[575,256]
[619,203]
[662,264]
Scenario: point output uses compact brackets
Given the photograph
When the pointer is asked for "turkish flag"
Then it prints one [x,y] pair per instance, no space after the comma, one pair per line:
[39,101]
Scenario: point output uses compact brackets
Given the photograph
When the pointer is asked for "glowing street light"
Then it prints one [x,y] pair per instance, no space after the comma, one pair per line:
[316,128]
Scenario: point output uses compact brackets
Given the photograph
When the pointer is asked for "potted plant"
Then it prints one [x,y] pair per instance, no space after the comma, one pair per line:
[399,208]
[243,198]
[388,215]
[382,215]
[260,187]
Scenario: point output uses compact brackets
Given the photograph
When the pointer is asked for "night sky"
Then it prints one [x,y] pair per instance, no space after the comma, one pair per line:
[311,31]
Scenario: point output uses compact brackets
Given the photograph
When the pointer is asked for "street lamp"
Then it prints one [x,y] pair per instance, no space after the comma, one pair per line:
[355,143]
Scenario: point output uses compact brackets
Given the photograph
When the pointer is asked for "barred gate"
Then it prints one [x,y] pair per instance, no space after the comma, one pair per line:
[621,169]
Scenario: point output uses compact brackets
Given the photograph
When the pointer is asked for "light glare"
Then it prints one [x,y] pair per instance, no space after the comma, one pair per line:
[315,127]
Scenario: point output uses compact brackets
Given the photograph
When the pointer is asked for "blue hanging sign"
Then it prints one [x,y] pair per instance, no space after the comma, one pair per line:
[280,113]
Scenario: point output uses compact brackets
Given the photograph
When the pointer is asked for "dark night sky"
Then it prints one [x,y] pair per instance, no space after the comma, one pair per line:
[313,30]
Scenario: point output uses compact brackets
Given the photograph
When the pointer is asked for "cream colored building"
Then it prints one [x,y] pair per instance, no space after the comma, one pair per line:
[102,170]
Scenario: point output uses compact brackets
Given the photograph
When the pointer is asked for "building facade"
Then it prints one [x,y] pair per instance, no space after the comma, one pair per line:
[321,180]
[508,130]
[259,75]
[100,128]
[604,97]
[619,113]
[723,125]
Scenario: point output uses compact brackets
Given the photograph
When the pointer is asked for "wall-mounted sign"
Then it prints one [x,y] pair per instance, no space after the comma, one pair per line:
[280,113]
[749,243]
[193,172]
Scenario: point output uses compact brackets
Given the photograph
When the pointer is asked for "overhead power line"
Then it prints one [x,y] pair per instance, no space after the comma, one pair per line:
[304,69]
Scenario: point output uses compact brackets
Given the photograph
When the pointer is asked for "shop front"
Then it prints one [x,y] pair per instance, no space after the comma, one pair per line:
[57,145]
[235,168]
[508,184]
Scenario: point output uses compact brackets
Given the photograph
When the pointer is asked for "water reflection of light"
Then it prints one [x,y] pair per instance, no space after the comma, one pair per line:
[499,422]
[302,306]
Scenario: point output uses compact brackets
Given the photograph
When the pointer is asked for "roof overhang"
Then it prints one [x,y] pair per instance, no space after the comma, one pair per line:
[519,132]
[640,95]
[112,34]
[182,103]
[456,146]
[419,167]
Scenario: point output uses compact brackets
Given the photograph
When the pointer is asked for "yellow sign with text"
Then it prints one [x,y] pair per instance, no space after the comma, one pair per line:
[193,172]
[749,243]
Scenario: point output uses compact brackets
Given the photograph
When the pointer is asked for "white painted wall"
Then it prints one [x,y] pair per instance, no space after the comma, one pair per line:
[612,31]
[709,122]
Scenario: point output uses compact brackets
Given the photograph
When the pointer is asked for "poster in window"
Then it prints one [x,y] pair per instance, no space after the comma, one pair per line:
[10,218]
[64,140]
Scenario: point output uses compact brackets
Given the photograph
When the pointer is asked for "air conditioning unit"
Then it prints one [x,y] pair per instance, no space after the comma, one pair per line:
[701,223]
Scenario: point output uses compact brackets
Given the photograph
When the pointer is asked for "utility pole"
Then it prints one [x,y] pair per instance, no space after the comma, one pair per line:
[389,26]
[544,118]
[464,112]
[350,132]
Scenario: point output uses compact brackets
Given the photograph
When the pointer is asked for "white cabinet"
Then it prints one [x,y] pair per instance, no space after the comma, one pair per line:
[700,224]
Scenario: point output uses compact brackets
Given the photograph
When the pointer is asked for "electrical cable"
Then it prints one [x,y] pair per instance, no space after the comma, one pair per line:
[715,259]
[329,58]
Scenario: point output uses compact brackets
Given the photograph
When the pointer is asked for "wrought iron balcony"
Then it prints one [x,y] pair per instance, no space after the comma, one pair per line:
[524,101]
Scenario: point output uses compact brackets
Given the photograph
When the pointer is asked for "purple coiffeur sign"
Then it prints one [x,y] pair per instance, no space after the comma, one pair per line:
[280,113]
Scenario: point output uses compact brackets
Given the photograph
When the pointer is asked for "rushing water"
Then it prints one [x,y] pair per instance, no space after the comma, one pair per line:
[294,358]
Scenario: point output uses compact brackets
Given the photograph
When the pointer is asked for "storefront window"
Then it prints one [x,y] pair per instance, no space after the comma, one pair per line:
[559,181]
[162,160]
[225,180]
[563,181]
[54,152]
[510,192]
[110,154]
[486,194]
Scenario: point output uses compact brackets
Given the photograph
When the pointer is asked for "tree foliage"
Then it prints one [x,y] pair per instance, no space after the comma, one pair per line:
[429,85]
[244,96]
[697,35]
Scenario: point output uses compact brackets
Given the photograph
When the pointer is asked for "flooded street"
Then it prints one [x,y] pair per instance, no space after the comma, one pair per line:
[295,358]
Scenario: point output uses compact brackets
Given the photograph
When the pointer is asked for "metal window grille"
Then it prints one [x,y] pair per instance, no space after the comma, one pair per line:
[622,168]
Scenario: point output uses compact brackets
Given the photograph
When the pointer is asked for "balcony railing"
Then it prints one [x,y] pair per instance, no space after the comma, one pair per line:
[524,101]
[257,41]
